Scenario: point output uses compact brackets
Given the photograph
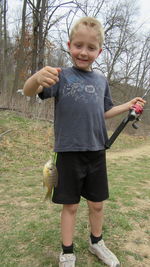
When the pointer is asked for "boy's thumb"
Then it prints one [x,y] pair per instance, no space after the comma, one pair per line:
[58,69]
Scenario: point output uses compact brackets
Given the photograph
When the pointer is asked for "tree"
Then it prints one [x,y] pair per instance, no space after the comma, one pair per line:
[143,65]
[21,54]
[44,18]
[3,43]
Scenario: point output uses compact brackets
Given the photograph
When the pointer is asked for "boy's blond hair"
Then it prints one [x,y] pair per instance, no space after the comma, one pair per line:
[92,23]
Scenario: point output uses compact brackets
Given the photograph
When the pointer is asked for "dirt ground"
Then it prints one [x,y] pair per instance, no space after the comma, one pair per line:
[132,153]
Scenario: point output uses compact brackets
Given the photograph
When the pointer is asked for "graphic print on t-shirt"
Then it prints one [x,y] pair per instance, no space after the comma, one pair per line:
[80,90]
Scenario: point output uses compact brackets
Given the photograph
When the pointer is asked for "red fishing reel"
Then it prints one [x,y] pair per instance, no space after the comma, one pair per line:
[135,113]
[137,108]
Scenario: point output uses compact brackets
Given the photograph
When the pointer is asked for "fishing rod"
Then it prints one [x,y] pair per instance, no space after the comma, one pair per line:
[134,115]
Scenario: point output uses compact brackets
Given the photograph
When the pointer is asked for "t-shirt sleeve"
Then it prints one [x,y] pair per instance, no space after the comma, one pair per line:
[49,92]
[108,103]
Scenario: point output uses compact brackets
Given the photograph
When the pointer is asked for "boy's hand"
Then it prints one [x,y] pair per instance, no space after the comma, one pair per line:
[47,76]
[138,101]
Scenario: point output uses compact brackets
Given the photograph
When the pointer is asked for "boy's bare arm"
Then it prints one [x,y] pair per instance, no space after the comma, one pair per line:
[32,87]
[124,107]
[46,77]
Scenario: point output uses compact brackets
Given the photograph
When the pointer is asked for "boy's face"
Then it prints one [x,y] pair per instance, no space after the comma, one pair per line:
[84,47]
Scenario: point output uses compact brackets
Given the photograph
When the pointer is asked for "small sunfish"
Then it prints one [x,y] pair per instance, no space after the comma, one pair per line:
[50,178]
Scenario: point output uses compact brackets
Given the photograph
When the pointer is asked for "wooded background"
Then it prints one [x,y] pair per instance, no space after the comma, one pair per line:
[40,37]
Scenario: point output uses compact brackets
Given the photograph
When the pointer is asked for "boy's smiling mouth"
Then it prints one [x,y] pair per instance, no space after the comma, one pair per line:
[82,60]
[82,63]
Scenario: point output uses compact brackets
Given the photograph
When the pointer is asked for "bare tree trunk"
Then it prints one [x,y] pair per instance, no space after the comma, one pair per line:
[41,35]
[3,45]
[36,12]
[20,60]
[1,48]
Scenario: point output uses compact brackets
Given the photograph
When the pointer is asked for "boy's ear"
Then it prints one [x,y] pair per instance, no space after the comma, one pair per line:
[68,43]
[100,51]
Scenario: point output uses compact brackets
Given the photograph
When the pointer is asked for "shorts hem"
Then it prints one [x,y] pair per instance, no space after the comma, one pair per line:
[65,202]
[95,200]
[68,202]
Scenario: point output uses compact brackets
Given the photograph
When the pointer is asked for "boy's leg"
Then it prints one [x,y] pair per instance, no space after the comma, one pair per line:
[68,190]
[96,217]
[97,245]
[68,216]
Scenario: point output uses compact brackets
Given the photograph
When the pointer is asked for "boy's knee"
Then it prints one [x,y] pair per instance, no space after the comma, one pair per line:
[72,208]
[96,207]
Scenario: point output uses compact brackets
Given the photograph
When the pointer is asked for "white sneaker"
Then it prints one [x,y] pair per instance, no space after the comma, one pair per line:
[103,253]
[67,260]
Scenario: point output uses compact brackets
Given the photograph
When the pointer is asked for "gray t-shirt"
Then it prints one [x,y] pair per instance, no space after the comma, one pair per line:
[81,98]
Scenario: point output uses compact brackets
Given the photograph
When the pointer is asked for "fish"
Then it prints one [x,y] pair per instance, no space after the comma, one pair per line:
[50,178]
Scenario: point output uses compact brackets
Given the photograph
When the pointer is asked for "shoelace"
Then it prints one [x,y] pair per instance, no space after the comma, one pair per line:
[106,250]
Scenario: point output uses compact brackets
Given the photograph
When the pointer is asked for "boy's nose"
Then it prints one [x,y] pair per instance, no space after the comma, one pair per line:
[83,51]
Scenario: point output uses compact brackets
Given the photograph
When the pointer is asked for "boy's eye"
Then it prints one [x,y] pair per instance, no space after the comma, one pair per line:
[91,48]
[78,45]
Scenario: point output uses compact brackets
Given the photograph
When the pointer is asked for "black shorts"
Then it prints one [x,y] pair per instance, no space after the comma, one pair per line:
[81,174]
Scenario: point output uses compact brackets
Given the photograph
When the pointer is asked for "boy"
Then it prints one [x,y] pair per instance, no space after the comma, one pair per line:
[82,103]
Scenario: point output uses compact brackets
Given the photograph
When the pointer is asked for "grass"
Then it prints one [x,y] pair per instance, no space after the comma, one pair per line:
[30,227]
